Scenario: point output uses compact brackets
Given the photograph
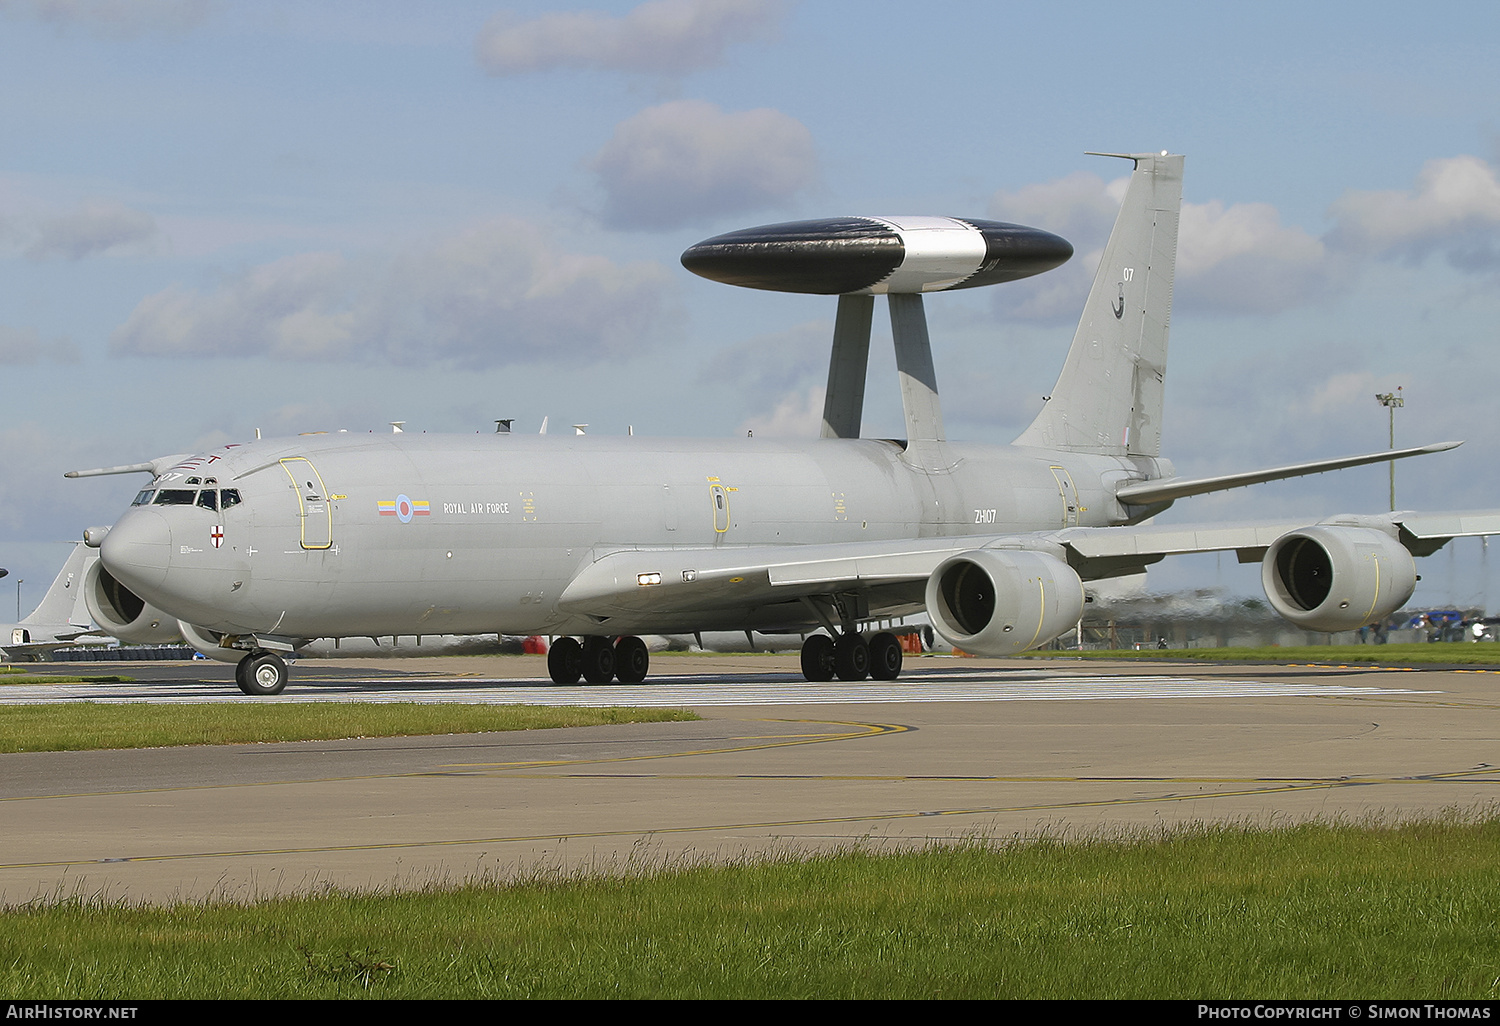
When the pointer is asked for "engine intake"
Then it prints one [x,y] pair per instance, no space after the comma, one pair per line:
[997,602]
[123,614]
[1328,578]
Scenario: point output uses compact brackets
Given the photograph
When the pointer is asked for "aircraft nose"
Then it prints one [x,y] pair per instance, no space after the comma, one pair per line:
[138,550]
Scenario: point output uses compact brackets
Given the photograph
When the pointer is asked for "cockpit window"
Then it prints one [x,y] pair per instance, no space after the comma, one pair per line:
[208,499]
[192,480]
[229,497]
[144,498]
[175,497]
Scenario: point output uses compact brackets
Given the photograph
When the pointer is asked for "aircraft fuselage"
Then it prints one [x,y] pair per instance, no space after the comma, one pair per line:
[431,534]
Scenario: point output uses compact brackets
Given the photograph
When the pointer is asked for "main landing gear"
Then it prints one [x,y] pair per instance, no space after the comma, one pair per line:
[851,657]
[598,660]
[261,673]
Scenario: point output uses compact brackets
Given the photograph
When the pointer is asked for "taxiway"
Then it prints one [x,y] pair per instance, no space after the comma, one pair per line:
[955,749]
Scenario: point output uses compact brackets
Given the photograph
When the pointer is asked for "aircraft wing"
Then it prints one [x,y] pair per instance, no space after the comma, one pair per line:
[1421,533]
[683,580]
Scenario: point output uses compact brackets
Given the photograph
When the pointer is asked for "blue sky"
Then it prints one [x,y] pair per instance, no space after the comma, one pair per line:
[219,216]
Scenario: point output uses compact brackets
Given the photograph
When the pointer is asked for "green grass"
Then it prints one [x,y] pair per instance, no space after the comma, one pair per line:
[22,677]
[78,726]
[1453,653]
[1325,911]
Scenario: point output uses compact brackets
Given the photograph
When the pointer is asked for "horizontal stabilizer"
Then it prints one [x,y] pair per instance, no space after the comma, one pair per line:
[1167,489]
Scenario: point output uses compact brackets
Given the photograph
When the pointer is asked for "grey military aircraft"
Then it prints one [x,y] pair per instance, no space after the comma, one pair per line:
[62,618]
[250,551]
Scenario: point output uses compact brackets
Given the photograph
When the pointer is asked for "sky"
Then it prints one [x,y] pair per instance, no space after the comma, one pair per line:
[218,216]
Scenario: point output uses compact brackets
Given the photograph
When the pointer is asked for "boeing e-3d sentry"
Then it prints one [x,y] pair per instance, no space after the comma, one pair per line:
[61,618]
[250,551]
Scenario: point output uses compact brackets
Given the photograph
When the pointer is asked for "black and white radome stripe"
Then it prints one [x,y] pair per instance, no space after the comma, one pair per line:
[873,255]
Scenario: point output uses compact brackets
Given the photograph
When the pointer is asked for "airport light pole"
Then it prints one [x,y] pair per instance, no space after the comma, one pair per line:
[1391,400]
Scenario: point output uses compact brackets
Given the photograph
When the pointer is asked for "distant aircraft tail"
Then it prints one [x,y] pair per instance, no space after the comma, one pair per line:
[63,603]
[1108,398]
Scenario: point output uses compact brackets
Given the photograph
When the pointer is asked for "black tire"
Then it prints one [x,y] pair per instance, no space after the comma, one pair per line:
[632,660]
[885,656]
[598,660]
[817,658]
[851,657]
[261,673]
[565,661]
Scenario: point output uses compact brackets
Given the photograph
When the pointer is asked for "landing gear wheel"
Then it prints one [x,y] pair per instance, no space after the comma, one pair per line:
[632,660]
[885,656]
[851,657]
[565,661]
[817,658]
[598,660]
[261,673]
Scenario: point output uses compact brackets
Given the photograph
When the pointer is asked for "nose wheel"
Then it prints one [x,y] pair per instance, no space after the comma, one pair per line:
[261,673]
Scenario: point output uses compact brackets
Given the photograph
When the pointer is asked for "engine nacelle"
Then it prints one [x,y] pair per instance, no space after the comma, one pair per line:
[121,613]
[206,643]
[997,602]
[1328,578]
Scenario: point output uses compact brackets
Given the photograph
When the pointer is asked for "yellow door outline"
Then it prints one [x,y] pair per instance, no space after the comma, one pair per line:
[1069,494]
[314,508]
[718,496]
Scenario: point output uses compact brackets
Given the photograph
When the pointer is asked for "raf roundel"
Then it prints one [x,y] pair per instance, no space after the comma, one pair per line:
[403,508]
[877,255]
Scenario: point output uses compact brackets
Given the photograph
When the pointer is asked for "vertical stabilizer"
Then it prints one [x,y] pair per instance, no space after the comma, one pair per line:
[1108,398]
[61,604]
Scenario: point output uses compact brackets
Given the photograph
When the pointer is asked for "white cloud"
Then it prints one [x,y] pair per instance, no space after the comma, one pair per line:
[498,294]
[111,17]
[24,347]
[1235,258]
[41,504]
[97,227]
[765,367]
[1453,208]
[687,161]
[1240,258]
[1080,207]
[661,37]
[798,415]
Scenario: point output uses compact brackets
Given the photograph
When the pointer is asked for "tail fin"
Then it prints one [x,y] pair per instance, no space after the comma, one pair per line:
[63,603]
[1109,397]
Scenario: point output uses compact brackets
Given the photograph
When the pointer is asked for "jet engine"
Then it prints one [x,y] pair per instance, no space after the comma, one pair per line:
[206,643]
[997,602]
[121,613]
[1328,578]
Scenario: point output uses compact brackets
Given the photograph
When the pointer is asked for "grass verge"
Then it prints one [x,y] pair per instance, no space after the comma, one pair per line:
[79,726]
[1313,911]
[1454,653]
[53,678]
